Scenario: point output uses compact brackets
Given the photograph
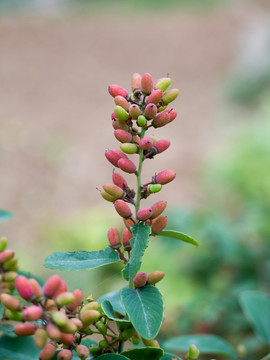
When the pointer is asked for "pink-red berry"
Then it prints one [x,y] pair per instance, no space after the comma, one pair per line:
[123,209]
[126,165]
[164,177]
[116,90]
[144,213]
[24,287]
[147,83]
[159,224]
[140,279]
[114,238]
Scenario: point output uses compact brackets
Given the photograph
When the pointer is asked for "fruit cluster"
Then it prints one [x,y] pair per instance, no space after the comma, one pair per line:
[8,267]
[134,114]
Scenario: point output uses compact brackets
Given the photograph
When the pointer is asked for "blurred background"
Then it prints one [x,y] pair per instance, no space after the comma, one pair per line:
[57,58]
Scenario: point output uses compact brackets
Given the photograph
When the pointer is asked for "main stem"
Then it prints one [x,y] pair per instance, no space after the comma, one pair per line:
[139,172]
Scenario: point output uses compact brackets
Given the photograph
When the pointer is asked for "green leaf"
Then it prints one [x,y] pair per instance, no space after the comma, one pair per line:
[139,243]
[81,260]
[256,307]
[108,310]
[168,356]
[112,357]
[88,342]
[18,348]
[7,330]
[179,236]
[207,344]
[145,309]
[5,215]
[144,353]
[114,297]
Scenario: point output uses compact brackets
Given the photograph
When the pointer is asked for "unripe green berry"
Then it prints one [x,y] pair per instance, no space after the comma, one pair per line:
[89,316]
[101,327]
[193,352]
[64,299]
[163,83]
[3,243]
[121,113]
[114,190]
[102,344]
[107,196]
[155,277]
[59,318]
[154,188]
[40,338]
[13,315]
[69,328]
[169,96]
[128,333]
[141,121]
[129,148]
[10,276]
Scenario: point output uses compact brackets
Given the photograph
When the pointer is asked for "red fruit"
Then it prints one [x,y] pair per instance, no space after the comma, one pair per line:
[147,83]
[161,145]
[116,90]
[67,339]
[114,238]
[155,97]
[164,177]
[117,124]
[146,143]
[48,352]
[26,329]
[126,236]
[114,190]
[40,338]
[32,313]
[158,208]
[113,156]
[161,119]
[123,209]
[36,287]
[78,293]
[136,81]
[150,111]
[129,222]
[24,287]
[123,136]
[11,302]
[6,255]
[61,289]
[121,101]
[159,224]
[140,279]
[65,354]
[126,165]
[118,180]
[144,213]
[52,285]
[82,351]
[53,332]
[172,113]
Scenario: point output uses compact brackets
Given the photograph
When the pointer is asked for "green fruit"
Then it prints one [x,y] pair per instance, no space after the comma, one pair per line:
[128,148]
[141,121]
[121,113]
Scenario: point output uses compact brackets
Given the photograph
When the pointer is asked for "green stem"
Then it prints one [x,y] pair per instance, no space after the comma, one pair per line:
[138,174]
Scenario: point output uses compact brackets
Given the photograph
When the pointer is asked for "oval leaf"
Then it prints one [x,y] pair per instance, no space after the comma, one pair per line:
[18,348]
[207,344]
[108,310]
[145,309]
[5,215]
[179,236]
[168,356]
[256,307]
[114,297]
[80,260]
[144,353]
[112,357]
[139,243]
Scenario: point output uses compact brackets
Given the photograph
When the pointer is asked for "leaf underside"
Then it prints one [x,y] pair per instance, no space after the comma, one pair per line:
[178,236]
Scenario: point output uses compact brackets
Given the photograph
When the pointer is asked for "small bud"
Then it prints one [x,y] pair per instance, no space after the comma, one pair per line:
[155,277]
[146,83]
[169,96]
[161,145]
[193,352]
[114,238]
[150,111]
[78,298]
[82,351]
[159,224]
[48,352]
[26,329]
[134,111]
[154,188]
[107,197]
[121,113]
[123,136]
[155,97]
[126,236]
[118,180]
[128,148]
[158,208]
[11,302]
[24,287]
[129,222]
[114,190]
[141,121]
[64,354]
[146,143]
[113,156]
[151,342]
[53,332]
[36,287]
[40,338]
[116,90]
[59,318]
[89,316]
[123,209]
[32,313]
[52,285]
[121,101]
[164,177]
[144,213]
[161,119]
[140,279]
[163,83]
[67,339]
[136,81]
[126,165]
[3,243]
[64,299]
[6,255]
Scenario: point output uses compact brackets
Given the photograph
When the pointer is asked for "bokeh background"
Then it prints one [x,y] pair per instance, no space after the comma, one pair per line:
[57,58]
